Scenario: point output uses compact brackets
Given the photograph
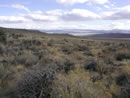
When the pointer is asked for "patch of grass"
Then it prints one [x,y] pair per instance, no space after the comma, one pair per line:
[77,84]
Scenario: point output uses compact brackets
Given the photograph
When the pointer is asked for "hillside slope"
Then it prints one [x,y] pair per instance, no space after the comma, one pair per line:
[39,65]
[109,35]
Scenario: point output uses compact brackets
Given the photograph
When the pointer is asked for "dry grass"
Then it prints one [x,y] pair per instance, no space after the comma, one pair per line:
[77,84]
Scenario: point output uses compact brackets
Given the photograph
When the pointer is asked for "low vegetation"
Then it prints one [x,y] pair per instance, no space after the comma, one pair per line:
[39,65]
[2,36]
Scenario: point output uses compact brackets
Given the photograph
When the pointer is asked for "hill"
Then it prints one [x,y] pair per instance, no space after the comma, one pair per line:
[39,65]
[84,32]
[109,35]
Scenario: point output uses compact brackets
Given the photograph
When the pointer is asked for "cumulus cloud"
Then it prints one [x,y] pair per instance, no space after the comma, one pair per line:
[74,15]
[79,15]
[12,19]
[62,15]
[120,13]
[119,25]
[72,2]
[106,6]
[17,6]
[48,16]
[41,17]
[53,19]
[58,18]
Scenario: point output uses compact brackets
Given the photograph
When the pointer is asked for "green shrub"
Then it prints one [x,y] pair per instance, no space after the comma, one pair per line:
[122,80]
[69,64]
[90,65]
[2,71]
[27,59]
[83,48]
[122,56]
[67,49]
[2,48]
[2,36]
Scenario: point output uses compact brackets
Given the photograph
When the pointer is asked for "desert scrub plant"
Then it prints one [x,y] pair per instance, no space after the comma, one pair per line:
[115,90]
[2,36]
[126,69]
[65,63]
[95,76]
[27,59]
[2,70]
[16,35]
[122,55]
[103,68]
[2,49]
[90,65]
[88,53]
[36,42]
[26,43]
[50,42]
[83,48]
[37,83]
[123,81]
[77,84]
[109,60]
[67,50]
[69,65]
[107,43]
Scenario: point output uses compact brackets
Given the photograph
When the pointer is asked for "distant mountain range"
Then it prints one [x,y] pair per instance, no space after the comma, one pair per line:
[108,35]
[80,32]
[96,34]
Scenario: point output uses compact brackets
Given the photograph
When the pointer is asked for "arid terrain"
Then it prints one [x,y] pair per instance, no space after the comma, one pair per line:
[40,65]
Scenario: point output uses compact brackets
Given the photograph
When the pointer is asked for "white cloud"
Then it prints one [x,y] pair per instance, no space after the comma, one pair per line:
[42,17]
[72,2]
[98,8]
[79,15]
[55,12]
[58,18]
[122,8]
[12,19]
[106,6]
[62,15]
[119,14]
[119,25]
[17,6]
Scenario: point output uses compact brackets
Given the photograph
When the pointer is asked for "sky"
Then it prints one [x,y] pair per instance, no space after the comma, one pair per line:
[65,14]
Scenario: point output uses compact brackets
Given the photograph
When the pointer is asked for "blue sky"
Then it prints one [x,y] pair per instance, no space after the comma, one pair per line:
[65,14]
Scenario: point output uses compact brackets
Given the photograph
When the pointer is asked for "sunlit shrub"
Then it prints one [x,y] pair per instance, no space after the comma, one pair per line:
[77,84]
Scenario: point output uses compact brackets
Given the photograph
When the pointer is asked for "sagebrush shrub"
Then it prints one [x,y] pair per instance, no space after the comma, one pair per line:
[122,56]
[37,83]
[90,65]
[2,36]
[77,84]
[122,80]
[83,48]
